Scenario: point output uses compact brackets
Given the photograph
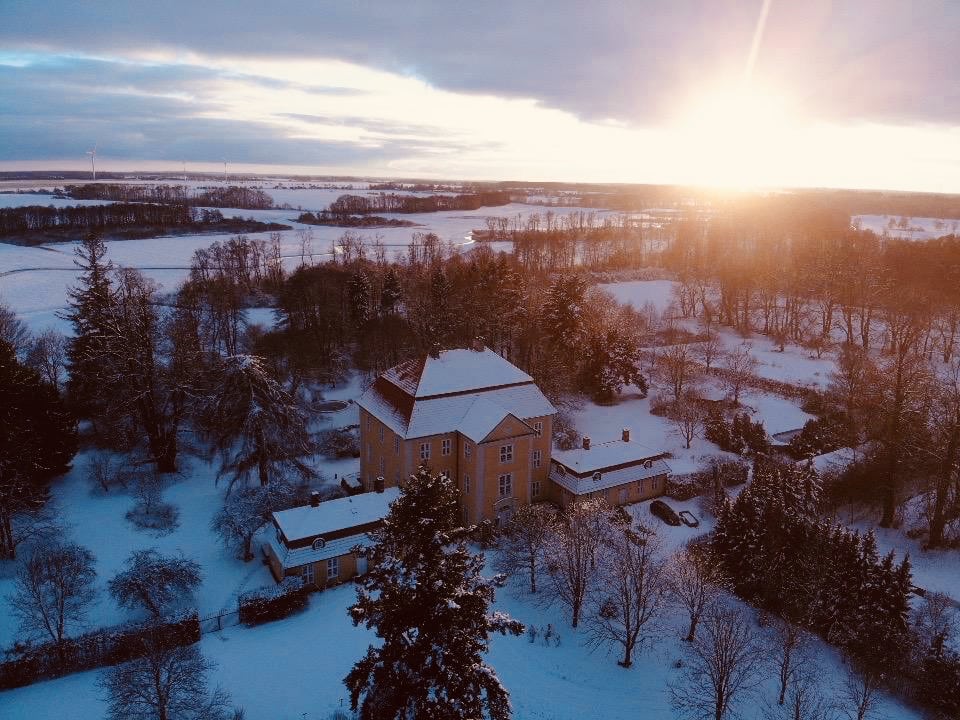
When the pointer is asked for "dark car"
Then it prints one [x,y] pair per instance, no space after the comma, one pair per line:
[664,512]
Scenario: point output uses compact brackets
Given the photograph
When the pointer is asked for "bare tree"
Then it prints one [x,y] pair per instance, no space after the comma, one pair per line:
[571,553]
[687,417]
[166,683]
[849,382]
[695,584]
[13,330]
[677,366]
[805,699]
[47,354]
[724,664]
[631,590]
[248,509]
[738,365]
[710,350]
[154,581]
[53,590]
[858,694]
[523,544]
[945,422]
[935,622]
[790,642]
[305,237]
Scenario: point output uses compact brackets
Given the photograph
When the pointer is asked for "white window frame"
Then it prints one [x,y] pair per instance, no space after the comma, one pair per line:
[309,578]
[466,484]
[538,428]
[467,449]
[445,446]
[424,451]
[333,564]
[537,458]
[506,453]
[505,482]
[535,490]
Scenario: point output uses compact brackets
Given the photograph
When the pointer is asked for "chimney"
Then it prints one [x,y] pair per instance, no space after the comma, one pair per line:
[477,344]
[315,499]
[378,484]
[435,351]
[626,434]
[586,442]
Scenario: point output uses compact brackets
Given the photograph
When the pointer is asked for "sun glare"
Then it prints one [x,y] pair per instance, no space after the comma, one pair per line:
[736,135]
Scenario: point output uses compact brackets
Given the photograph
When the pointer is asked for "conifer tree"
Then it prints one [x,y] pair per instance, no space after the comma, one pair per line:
[38,439]
[359,291]
[426,599]
[392,294]
[89,313]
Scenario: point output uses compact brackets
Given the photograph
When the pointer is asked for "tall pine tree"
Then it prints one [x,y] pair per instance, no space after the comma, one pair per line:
[90,304]
[428,602]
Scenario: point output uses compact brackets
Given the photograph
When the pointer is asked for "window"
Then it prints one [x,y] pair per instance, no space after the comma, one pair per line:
[396,444]
[506,485]
[308,577]
[318,544]
[333,568]
[506,453]
[536,488]
[648,464]
[380,430]
[538,428]
[425,451]
[466,484]
[536,458]
[596,477]
[445,446]
[467,449]
[622,496]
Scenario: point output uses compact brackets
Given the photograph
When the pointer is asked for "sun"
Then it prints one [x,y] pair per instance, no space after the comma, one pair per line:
[736,136]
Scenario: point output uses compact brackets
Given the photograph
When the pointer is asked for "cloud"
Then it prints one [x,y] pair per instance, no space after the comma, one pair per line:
[633,61]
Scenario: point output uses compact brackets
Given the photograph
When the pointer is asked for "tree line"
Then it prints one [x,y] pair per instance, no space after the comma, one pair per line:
[396,203]
[234,196]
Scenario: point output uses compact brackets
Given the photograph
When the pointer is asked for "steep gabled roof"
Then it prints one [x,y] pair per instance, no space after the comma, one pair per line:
[455,371]
[408,397]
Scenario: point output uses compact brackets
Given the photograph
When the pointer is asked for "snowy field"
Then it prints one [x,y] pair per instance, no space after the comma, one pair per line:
[908,228]
[293,669]
[34,280]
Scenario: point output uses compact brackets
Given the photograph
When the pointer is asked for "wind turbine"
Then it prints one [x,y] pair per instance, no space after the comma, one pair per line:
[224,171]
[93,160]
[184,170]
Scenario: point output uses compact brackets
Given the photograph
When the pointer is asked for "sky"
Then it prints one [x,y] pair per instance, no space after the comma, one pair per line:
[829,93]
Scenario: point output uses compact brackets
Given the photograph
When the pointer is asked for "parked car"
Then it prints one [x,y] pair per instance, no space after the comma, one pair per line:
[664,512]
[689,519]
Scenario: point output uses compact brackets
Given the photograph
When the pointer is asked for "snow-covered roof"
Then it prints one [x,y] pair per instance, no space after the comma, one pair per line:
[331,516]
[605,455]
[455,371]
[621,476]
[481,418]
[295,557]
[411,418]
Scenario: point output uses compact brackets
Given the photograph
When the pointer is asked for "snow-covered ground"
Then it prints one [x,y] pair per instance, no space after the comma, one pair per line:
[907,228]
[293,669]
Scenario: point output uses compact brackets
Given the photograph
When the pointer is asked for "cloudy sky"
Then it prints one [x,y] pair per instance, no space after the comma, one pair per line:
[844,93]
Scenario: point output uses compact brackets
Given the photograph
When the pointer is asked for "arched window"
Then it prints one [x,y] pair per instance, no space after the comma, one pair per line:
[596,477]
[319,543]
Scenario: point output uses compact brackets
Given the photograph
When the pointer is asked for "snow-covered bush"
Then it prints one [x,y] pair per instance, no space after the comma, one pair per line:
[338,443]
[565,435]
[272,603]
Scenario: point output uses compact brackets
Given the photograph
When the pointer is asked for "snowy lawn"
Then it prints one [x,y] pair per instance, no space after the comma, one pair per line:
[292,669]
